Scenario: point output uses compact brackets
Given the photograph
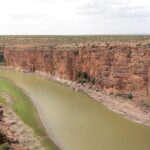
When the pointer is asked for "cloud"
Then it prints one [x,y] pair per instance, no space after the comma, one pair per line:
[114,9]
[91,8]
[26,17]
[128,11]
[45,1]
[74,16]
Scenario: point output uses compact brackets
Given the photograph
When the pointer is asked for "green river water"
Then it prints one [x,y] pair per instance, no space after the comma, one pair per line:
[76,122]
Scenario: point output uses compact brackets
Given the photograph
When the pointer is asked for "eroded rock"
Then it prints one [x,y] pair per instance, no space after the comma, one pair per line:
[14,132]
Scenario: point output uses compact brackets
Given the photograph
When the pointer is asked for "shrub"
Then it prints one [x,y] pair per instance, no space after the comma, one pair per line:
[5,146]
[85,75]
[79,74]
[46,55]
[129,53]
[125,95]
[146,103]
[1,59]
[51,46]
[130,96]
[76,52]
[94,46]
[93,80]
[82,81]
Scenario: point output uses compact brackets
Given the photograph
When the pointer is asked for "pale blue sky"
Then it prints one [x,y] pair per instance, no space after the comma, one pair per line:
[75,17]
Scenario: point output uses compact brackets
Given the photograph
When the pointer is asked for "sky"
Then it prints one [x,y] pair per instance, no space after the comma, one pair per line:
[74,17]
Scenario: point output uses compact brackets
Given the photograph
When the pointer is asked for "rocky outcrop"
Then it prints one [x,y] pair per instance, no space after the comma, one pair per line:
[110,67]
[14,134]
[5,135]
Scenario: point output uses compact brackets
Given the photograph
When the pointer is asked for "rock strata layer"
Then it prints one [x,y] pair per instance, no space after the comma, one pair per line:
[110,67]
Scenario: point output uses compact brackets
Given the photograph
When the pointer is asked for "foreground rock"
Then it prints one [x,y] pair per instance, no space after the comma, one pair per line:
[14,134]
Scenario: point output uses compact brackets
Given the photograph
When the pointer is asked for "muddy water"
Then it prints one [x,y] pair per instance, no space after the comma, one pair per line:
[76,122]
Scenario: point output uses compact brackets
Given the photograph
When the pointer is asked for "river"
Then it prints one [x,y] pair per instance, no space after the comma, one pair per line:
[76,122]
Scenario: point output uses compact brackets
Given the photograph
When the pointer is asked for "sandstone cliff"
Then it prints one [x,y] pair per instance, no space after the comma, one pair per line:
[109,67]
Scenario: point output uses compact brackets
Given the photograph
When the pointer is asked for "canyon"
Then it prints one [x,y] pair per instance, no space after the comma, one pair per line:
[74,120]
[114,72]
[114,67]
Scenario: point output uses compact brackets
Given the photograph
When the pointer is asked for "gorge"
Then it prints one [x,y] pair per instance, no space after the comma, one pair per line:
[74,121]
[116,73]
[112,67]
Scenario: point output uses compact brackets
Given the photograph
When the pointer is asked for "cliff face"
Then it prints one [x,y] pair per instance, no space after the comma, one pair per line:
[112,68]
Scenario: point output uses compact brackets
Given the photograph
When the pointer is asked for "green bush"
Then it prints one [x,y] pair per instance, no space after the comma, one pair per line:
[129,53]
[130,96]
[5,146]
[1,58]
[82,81]
[85,75]
[79,74]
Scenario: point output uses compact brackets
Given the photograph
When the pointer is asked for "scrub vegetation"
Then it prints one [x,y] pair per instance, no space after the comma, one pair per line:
[83,77]
[52,40]
[4,146]
[1,57]
[25,110]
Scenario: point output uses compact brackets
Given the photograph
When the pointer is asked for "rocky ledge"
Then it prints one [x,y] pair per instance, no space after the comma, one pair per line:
[14,134]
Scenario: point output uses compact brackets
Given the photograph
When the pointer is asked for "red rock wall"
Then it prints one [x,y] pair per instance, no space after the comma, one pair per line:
[114,68]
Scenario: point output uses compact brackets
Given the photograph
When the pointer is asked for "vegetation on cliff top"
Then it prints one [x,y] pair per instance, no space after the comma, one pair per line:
[53,40]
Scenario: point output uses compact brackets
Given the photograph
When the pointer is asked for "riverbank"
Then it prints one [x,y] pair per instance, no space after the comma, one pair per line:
[22,106]
[128,108]
[18,135]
